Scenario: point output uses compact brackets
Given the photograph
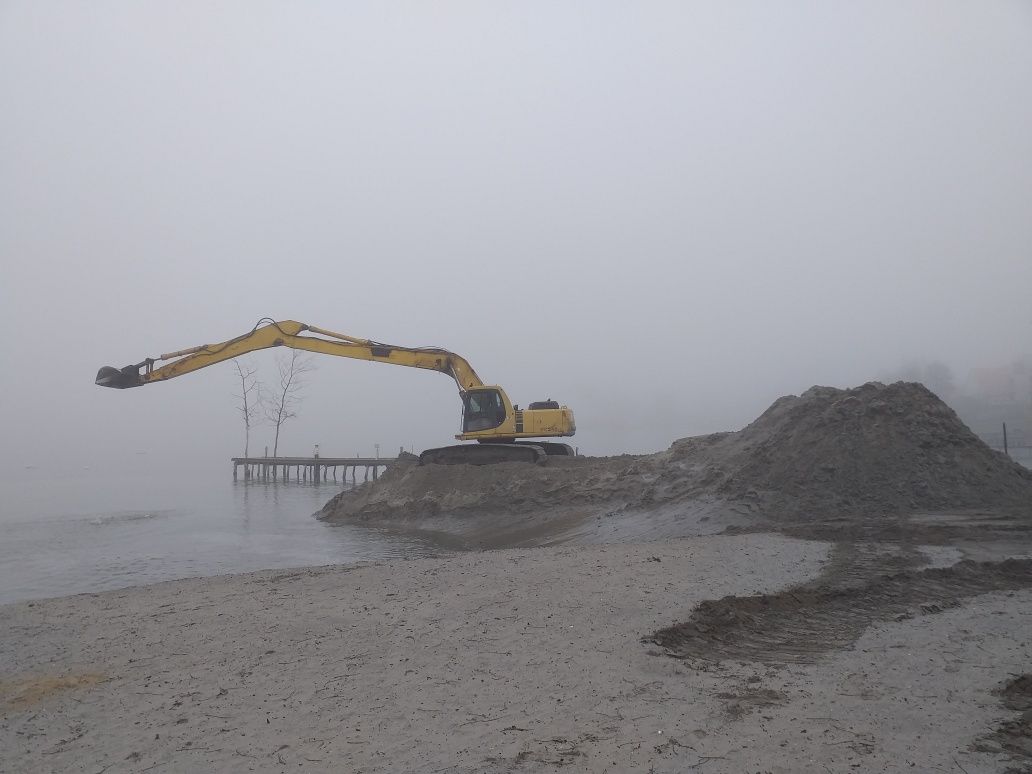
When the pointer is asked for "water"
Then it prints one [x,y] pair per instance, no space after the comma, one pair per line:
[95,530]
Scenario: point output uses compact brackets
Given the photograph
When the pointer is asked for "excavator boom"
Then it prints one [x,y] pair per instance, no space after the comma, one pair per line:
[488,415]
[288,333]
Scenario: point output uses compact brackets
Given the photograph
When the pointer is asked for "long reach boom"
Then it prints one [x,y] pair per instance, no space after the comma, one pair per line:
[287,333]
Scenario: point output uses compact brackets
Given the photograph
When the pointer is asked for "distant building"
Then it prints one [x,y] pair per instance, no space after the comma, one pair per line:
[999,395]
[1004,384]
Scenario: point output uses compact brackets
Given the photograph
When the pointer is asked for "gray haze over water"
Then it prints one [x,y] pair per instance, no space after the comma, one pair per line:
[665,215]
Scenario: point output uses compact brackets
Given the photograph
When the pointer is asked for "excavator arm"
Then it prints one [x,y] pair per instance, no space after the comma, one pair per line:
[288,333]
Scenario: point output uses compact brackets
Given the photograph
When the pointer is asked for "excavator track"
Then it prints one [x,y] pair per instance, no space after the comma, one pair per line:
[551,448]
[483,454]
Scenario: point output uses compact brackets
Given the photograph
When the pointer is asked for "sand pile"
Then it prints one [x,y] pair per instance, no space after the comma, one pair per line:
[415,492]
[884,449]
[876,449]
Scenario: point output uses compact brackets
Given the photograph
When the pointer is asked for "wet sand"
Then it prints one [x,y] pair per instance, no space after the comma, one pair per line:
[518,660]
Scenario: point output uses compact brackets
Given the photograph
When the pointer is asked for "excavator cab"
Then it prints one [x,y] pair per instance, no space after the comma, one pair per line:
[482,410]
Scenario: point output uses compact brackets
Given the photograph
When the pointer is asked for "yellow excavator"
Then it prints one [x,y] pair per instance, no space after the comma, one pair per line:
[488,416]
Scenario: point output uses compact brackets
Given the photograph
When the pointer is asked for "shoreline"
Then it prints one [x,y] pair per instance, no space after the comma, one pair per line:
[506,660]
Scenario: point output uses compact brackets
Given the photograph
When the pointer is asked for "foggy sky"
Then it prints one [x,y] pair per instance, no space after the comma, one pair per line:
[664,215]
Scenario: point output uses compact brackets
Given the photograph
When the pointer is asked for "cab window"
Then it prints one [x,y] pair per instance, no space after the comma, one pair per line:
[482,410]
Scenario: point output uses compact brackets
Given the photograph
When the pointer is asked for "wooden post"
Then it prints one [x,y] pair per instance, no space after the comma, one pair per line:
[1005,449]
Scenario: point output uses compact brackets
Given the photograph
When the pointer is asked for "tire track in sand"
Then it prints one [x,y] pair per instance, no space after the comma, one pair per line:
[800,624]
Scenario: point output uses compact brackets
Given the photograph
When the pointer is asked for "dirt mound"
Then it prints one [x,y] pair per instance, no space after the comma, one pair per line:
[416,492]
[799,624]
[873,450]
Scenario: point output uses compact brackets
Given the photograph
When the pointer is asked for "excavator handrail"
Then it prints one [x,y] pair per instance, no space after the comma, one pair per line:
[271,333]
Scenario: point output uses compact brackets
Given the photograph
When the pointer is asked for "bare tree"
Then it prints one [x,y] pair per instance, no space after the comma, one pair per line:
[249,397]
[282,405]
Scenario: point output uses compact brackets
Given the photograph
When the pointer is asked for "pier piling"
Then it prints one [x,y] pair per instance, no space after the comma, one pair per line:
[314,469]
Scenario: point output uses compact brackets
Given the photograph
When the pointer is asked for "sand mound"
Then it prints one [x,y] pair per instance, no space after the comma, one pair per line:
[872,450]
[412,491]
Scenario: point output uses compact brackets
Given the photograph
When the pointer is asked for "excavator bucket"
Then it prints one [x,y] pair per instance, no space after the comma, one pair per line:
[120,378]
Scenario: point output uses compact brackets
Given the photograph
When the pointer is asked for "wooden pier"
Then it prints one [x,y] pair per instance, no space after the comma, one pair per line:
[314,469]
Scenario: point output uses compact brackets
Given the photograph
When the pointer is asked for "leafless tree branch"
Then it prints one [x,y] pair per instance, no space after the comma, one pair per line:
[250,405]
[282,406]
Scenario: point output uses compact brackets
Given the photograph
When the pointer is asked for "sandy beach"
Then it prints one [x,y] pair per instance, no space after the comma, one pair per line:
[516,388]
[845,585]
[510,660]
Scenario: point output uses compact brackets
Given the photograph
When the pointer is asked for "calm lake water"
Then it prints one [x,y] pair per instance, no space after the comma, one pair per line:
[95,530]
